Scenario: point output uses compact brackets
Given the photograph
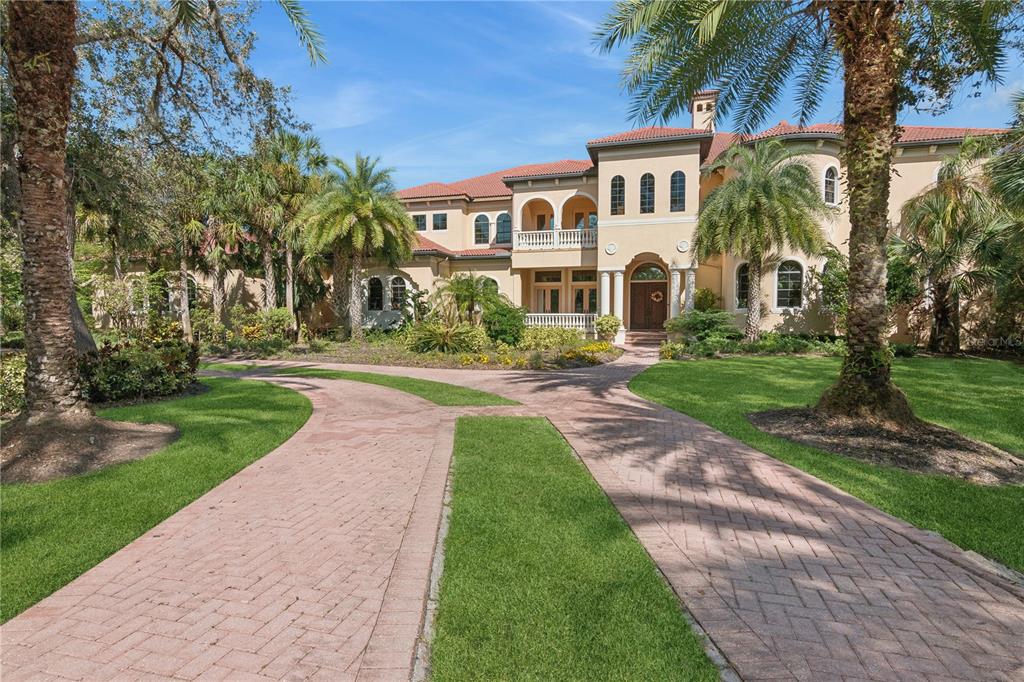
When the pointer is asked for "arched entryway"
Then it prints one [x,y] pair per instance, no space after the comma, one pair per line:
[648,297]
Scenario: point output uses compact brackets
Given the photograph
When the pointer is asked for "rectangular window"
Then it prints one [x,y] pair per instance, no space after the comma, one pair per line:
[585,299]
[421,222]
[547,300]
[547,276]
[440,221]
[584,275]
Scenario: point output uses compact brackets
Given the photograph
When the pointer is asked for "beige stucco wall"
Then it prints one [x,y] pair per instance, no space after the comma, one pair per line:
[461,218]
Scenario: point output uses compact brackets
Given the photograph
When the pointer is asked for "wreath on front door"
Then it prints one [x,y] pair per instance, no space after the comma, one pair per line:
[657,297]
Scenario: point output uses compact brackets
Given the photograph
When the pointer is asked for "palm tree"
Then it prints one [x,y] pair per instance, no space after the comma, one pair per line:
[947,232]
[891,54]
[258,191]
[1006,169]
[355,217]
[468,294]
[769,201]
[294,161]
[39,42]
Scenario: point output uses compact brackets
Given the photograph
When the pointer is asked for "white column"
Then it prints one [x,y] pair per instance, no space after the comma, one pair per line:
[606,293]
[674,301]
[691,284]
[619,276]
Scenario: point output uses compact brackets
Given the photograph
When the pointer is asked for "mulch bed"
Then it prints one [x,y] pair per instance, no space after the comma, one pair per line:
[78,444]
[921,447]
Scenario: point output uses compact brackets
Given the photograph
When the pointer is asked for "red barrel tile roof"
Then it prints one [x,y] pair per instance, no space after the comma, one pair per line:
[493,184]
[649,133]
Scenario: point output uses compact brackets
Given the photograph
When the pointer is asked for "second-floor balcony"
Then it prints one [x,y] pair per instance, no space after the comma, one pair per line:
[544,240]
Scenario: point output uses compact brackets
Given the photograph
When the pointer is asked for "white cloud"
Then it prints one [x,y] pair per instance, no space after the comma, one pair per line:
[352,104]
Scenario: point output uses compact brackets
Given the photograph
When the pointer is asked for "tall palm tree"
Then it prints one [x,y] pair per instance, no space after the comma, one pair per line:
[1006,169]
[947,232]
[258,191]
[39,42]
[357,217]
[769,201]
[295,160]
[224,233]
[891,54]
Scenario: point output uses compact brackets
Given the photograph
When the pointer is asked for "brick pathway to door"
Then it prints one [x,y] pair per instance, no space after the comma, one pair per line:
[314,561]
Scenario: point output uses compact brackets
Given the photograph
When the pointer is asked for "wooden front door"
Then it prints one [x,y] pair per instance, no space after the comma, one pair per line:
[648,305]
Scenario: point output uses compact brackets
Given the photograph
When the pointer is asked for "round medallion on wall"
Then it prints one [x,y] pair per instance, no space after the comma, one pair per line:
[683,246]
[611,248]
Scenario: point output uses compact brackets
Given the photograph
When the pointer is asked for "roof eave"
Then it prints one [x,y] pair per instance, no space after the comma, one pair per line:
[547,176]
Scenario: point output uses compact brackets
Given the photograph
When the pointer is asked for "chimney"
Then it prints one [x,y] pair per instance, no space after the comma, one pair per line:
[703,110]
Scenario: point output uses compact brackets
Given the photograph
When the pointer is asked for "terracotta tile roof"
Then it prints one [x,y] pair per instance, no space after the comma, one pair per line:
[929,133]
[429,246]
[493,184]
[649,133]
[786,128]
[720,143]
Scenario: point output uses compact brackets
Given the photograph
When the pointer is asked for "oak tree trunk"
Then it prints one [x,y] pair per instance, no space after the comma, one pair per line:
[339,292]
[186,314]
[355,297]
[40,45]
[269,282]
[753,324]
[867,35]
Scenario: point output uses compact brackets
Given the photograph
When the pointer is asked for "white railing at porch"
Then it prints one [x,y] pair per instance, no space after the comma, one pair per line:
[582,321]
[555,239]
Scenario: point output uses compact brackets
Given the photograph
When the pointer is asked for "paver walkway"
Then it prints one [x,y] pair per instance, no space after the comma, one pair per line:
[791,578]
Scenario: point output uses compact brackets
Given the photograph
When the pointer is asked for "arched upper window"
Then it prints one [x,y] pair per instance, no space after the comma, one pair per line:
[743,286]
[677,191]
[618,201]
[374,294]
[481,230]
[397,293]
[647,193]
[491,284]
[789,285]
[831,188]
[504,235]
[647,273]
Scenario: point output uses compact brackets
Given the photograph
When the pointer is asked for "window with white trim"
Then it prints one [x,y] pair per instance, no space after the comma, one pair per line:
[618,198]
[831,185]
[647,193]
[789,285]
[504,232]
[677,192]
[374,294]
[743,286]
[397,293]
[481,230]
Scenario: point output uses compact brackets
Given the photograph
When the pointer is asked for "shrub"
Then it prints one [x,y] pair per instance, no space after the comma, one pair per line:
[596,347]
[13,340]
[672,350]
[702,324]
[715,344]
[704,300]
[903,350]
[12,382]
[505,323]
[430,337]
[133,370]
[547,338]
[607,326]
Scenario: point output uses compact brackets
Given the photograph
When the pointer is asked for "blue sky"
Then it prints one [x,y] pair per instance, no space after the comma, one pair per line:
[447,90]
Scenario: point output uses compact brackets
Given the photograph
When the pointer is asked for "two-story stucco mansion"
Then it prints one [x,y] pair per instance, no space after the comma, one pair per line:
[614,233]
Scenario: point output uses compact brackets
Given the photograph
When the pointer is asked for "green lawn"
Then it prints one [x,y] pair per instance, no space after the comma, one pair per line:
[435,391]
[543,580]
[52,532]
[983,399]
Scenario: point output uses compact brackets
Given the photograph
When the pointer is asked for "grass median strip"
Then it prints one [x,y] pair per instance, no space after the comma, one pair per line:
[983,399]
[437,392]
[542,577]
[53,532]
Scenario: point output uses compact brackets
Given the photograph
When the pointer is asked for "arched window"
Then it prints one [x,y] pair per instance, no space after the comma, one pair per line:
[374,294]
[789,285]
[647,193]
[831,185]
[481,230]
[397,293]
[743,286]
[677,191]
[504,235]
[648,273]
[491,284]
[618,201]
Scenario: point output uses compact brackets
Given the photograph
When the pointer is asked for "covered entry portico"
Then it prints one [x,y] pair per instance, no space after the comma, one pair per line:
[646,292]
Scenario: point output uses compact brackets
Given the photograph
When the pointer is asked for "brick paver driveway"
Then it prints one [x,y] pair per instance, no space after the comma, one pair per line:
[790,577]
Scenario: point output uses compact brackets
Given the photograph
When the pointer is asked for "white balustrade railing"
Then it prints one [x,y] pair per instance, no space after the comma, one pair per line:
[582,321]
[538,240]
